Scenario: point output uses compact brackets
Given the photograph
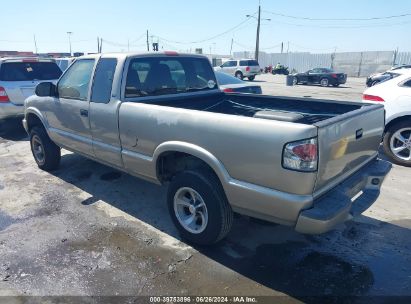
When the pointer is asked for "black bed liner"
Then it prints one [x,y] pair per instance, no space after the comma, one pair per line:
[248,105]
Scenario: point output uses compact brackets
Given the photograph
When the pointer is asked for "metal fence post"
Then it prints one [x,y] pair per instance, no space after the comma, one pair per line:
[360,64]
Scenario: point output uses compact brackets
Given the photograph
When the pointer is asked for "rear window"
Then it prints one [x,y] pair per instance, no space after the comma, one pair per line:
[26,71]
[248,63]
[153,76]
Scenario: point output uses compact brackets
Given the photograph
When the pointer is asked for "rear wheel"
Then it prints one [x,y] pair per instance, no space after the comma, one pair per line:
[251,78]
[46,153]
[199,207]
[397,143]
[239,75]
[324,82]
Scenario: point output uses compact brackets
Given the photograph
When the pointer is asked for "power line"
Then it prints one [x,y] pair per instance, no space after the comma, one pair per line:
[138,38]
[210,38]
[338,19]
[343,27]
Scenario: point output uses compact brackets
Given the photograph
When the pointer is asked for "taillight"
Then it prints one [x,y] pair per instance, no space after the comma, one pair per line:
[228,90]
[247,69]
[171,53]
[372,98]
[3,95]
[301,155]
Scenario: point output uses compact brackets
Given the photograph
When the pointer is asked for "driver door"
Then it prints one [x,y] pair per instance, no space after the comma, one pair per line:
[68,116]
[314,76]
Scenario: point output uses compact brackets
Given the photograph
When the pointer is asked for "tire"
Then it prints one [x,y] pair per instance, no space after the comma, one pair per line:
[295,80]
[324,82]
[251,78]
[391,141]
[45,152]
[239,75]
[374,83]
[208,192]
[335,85]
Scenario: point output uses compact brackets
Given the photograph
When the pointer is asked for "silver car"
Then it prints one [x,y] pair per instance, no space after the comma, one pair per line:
[230,84]
[243,68]
[18,80]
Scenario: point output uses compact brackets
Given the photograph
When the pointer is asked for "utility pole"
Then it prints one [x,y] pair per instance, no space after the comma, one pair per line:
[231,48]
[69,39]
[128,45]
[98,45]
[257,43]
[282,47]
[148,45]
[35,43]
[288,46]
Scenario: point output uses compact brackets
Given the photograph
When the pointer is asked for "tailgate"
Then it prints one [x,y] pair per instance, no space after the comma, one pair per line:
[18,91]
[346,143]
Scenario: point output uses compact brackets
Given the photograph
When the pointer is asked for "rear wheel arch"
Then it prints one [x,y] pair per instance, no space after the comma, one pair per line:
[397,120]
[170,163]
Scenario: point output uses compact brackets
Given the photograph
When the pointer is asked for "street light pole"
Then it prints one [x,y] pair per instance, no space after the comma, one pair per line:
[69,39]
[257,43]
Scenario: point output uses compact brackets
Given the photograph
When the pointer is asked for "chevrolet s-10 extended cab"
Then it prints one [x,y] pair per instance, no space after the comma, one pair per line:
[305,163]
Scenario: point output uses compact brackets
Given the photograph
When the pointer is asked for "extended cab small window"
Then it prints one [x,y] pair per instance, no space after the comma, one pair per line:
[154,76]
[74,84]
[103,80]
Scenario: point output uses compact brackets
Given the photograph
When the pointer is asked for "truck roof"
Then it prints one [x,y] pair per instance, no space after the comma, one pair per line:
[143,54]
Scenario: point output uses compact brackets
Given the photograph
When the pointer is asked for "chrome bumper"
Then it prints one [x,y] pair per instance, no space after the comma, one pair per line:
[351,197]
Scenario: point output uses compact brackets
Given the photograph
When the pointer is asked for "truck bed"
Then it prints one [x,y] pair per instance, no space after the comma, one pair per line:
[308,111]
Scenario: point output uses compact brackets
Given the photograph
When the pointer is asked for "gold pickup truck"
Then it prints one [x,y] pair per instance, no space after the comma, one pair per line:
[299,162]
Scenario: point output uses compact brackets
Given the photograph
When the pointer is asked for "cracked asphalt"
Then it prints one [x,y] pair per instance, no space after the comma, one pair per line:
[88,230]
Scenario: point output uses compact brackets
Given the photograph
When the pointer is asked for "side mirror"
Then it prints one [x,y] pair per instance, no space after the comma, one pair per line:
[46,89]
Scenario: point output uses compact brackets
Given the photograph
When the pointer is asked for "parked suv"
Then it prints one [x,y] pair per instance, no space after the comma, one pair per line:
[18,80]
[243,68]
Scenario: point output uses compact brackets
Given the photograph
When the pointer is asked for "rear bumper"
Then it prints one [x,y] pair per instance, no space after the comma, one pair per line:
[10,110]
[248,74]
[337,205]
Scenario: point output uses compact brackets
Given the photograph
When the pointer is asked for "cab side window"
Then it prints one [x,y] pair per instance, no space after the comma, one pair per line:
[75,83]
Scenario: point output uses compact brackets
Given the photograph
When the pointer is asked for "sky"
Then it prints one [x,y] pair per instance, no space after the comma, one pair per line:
[210,25]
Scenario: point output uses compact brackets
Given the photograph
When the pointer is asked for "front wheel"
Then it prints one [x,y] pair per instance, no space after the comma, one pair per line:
[295,80]
[251,78]
[397,143]
[46,153]
[239,75]
[198,207]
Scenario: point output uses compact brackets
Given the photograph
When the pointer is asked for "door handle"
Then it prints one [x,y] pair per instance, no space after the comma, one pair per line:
[83,112]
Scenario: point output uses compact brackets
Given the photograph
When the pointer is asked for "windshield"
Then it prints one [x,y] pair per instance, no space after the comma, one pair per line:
[224,79]
[27,71]
[168,75]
